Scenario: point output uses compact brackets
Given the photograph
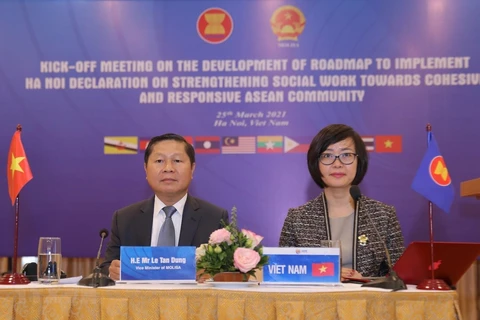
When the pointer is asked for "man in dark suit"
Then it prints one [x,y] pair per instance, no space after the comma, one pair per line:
[169,166]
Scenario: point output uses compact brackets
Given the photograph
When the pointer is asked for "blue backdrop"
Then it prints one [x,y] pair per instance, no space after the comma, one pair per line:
[66,75]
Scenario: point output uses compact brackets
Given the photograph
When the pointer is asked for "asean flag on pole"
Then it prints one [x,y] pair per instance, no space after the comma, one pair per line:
[323,269]
[18,169]
[432,179]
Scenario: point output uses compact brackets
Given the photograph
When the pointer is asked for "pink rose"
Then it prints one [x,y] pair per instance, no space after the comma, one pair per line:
[256,239]
[245,259]
[219,236]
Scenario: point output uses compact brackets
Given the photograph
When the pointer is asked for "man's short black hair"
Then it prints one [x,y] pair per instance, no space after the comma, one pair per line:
[170,136]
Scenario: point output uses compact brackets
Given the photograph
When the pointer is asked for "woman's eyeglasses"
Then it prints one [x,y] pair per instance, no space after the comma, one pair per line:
[345,158]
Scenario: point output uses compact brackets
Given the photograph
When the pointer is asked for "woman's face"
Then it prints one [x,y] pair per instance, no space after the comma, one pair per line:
[338,174]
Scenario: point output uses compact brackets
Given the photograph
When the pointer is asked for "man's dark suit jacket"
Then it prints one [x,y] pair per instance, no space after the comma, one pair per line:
[132,226]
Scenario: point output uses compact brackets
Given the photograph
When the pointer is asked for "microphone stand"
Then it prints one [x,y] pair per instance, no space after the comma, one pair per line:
[391,281]
[97,278]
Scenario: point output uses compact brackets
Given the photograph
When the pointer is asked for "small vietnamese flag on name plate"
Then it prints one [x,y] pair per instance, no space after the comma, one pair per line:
[323,269]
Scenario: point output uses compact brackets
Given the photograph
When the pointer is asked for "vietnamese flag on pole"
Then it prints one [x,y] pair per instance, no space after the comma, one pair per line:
[18,169]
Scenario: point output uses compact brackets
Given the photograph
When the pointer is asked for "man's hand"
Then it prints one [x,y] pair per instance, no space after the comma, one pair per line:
[114,270]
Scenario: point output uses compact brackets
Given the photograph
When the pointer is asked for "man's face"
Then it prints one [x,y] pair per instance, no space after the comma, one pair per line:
[169,170]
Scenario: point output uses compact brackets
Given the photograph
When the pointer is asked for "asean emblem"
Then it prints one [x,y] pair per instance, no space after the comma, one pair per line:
[214,25]
[287,23]
[439,172]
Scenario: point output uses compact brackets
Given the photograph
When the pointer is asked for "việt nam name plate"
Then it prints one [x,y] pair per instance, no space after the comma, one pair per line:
[302,266]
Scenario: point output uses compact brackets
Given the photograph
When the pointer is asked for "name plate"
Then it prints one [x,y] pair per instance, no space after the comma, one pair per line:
[159,264]
[302,265]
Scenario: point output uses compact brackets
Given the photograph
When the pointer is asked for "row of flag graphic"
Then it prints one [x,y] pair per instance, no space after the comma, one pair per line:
[247,144]
[432,179]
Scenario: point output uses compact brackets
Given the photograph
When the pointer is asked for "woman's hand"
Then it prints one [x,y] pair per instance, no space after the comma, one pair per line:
[201,279]
[350,273]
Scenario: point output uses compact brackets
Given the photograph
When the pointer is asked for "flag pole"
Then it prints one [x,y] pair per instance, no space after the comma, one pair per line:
[432,283]
[14,277]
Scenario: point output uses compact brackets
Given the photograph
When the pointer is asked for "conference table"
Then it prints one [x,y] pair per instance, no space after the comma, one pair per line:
[208,301]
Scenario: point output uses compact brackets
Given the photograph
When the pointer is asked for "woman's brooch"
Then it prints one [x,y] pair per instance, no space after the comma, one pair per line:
[363,240]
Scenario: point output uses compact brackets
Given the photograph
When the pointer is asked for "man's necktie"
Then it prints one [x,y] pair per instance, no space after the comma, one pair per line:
[166,237]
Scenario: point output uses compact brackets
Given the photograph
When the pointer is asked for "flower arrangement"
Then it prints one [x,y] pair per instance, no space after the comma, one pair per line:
[231,250]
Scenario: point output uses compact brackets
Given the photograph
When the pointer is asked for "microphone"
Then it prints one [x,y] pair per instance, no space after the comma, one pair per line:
[391,281]
[97,278]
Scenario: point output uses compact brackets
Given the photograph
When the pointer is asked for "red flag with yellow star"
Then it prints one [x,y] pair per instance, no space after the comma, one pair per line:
[388,143]
[18,169]
[323,269]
